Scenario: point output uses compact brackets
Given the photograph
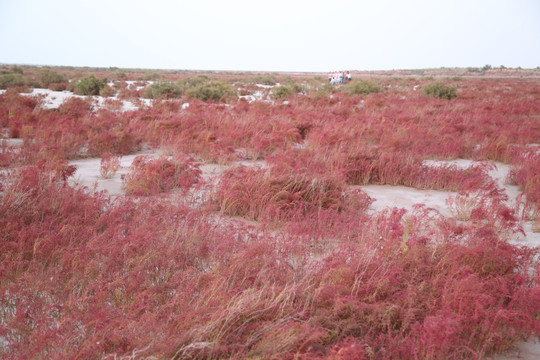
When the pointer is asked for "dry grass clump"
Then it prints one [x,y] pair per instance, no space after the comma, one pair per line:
[149,176]
[283,193]
[109,165]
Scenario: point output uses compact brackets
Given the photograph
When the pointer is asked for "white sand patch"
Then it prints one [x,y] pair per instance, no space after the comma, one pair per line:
[253,163]
[211,171]
[129,105]
[499,173]
[529,350]
[266,86]
[405,197]
[53,99]
[88,173]
[255,96]
[248,98]
[136,84]
[11,143]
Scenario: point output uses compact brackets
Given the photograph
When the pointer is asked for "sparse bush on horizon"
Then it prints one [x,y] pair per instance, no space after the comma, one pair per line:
[151,76]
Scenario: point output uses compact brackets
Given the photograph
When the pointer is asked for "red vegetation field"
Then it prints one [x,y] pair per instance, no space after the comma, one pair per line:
[278,259]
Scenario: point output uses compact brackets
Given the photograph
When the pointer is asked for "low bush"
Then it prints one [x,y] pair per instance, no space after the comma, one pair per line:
[89,85]
[11,80]
[120,75]
[151,76]
[362,87]
[107,91]
[211,90]
[47,77]
[281,92]
[267,80]
[149,176]
[163,90]
[439,90]
[285,90]
[58,86]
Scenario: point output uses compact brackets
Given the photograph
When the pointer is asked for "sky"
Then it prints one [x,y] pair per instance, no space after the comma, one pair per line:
[276,35]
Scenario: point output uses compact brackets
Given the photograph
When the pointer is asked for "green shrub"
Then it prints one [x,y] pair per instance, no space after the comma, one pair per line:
[474,69]
[362,87]
[164,90]
[439,90]
[286,89]
[211,90]
[107,91]
[9,80]
[48,77]
[282,91]
[120,74]
[268,80]
[16,70]
[90,85]
[193,81]
[150,76]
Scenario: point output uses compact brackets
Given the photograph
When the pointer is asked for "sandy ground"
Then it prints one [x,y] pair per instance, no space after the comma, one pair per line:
[529,350]
[405,197]
[10,143]
[88,173]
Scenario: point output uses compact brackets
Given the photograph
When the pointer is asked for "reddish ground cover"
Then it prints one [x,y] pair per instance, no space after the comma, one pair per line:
[85,275]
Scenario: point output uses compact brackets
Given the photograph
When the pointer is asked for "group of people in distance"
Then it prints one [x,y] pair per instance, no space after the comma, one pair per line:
[339,77]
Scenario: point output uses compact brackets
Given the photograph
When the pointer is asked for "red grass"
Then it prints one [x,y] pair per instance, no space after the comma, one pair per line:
[526,175]
[153,176]
[109,165]
[86,276]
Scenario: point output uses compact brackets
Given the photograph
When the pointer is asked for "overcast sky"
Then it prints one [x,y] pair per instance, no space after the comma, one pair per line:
[276,35]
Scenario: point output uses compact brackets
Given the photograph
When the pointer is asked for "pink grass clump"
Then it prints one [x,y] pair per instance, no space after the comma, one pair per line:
[153,176]
[109,165]
[525,173]
[285,191]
